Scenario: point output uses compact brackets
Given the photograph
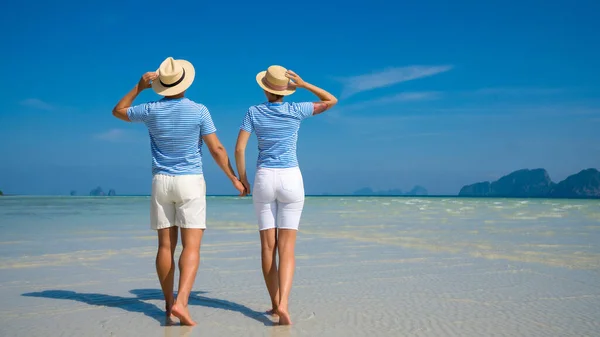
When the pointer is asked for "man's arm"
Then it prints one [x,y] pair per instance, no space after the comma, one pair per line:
[120,110]
[217,150]
[240,158]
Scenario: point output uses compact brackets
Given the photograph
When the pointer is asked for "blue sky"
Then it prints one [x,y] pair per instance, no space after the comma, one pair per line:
[438,93]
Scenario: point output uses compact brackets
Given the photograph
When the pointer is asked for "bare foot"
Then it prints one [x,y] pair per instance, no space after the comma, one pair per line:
[168,307]
[284,317]
[272,312]
[183,314]
[169,318]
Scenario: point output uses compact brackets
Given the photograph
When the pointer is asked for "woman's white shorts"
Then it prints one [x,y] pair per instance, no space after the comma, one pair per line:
[278,197]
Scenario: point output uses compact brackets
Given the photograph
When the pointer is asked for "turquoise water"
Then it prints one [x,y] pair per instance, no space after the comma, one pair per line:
[397,266]
[47,224]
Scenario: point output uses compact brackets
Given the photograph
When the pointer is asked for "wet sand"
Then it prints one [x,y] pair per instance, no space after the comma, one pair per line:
[377,267]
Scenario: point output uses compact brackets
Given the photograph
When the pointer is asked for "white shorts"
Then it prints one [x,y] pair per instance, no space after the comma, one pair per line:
[278,197]
[178,201]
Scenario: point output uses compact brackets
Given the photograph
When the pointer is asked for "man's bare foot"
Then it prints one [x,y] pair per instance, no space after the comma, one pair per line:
[183,314]
[284,317]
[169,314]
[272,312]
[169,320]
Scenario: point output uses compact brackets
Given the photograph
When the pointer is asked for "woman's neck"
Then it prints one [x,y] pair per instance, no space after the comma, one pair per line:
[176,96]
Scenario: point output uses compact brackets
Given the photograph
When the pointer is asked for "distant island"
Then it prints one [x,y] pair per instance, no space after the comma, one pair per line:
[97,192]
[1,193]
[536,183]
[417,190]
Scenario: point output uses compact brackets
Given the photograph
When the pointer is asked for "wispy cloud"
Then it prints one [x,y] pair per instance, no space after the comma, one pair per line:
[409,96]
[398,98]
[112,135]
[526,91]
[469,95]
[489,112]
[388,77]
[37,103]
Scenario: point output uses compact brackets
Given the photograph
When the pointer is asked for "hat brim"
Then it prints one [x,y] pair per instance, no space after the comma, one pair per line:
[190,74]
[259,80]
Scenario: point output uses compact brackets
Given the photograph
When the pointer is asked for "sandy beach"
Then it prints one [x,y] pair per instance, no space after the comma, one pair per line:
[365,266]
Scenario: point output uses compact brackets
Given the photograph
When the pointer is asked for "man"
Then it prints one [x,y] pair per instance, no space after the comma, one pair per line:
[177,127]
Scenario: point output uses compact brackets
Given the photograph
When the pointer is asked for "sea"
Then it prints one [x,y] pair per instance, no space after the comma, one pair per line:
[382,266]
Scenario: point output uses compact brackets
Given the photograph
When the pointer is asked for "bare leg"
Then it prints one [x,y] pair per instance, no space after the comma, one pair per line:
[268,246]
[286,243]
[165,264]
[188,267]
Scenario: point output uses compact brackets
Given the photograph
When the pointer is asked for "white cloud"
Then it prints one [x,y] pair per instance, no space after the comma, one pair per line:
[392,136]
[388,77]
[112,135]
[518,91]
[401,97]
[37,104]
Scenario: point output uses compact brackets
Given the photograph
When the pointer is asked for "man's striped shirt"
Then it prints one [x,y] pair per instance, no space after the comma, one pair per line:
[176,127]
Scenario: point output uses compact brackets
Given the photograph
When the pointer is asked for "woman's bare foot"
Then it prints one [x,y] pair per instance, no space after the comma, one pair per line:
[284,317]
[183,314]
[272,312]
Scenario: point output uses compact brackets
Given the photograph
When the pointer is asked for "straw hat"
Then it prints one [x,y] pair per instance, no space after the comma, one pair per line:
[174,77]
[274,81]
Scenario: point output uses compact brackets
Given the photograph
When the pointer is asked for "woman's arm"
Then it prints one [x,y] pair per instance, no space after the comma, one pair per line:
[327,100]
[240,158]
[217,150]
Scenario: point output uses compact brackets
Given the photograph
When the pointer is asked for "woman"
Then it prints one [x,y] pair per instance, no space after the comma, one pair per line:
[177,127]
[278,193]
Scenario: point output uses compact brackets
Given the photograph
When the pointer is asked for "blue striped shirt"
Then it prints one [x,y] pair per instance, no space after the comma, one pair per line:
[276,126]
[176,127]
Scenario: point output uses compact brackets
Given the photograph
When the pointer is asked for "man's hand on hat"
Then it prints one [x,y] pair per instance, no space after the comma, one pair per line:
[146,80]
[297,80]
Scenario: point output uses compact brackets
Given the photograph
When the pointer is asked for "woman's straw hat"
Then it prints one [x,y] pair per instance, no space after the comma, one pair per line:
[274,81]
[174,77]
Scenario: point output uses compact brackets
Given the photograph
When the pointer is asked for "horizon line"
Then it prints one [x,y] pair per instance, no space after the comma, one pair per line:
[317,195]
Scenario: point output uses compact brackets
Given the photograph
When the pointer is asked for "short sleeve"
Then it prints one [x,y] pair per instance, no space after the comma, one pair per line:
[138,113]
[206,123]
[247,122]
[304,109]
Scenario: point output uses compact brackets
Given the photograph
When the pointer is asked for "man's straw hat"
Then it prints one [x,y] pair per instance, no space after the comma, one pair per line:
[174,77]
[274,81]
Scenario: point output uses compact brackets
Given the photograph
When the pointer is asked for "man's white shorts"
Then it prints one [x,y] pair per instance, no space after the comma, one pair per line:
[178,201]
[278,197]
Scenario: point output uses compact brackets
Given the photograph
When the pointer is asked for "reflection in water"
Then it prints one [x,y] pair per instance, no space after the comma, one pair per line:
[281,331]
[178,331]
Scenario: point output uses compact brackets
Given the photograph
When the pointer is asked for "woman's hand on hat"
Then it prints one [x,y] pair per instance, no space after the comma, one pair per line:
[297,80]
[146,80]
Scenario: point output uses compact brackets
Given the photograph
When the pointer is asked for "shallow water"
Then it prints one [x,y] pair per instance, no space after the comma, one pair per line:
[75,266]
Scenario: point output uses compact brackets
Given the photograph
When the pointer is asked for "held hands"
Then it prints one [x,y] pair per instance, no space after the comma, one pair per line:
[146,80]
[246,184]
[240,187]
[298,82]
